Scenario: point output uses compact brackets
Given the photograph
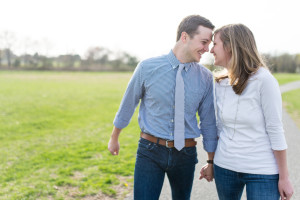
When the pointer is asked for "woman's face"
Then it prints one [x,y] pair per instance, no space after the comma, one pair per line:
[222,57]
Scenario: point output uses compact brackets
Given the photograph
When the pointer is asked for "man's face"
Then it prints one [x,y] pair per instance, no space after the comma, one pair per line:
[198,45]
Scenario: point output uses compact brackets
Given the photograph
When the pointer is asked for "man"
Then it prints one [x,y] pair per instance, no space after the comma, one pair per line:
[172,89]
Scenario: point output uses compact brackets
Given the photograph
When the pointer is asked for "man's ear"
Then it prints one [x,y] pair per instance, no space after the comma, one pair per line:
[184,37]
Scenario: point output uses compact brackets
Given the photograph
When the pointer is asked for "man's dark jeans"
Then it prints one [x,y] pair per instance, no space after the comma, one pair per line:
[153,161]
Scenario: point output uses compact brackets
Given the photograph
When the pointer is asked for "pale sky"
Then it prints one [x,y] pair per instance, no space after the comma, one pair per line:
[142,28]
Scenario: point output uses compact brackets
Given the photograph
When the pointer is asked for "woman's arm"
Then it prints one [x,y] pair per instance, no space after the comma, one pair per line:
[272,108]
[284,184]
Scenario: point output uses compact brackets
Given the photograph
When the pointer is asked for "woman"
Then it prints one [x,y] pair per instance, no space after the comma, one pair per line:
[252,148]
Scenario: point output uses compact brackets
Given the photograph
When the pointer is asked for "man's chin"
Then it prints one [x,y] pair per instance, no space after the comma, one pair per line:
[196,60]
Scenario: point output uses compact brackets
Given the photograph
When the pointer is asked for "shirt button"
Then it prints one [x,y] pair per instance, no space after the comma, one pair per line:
[172,120]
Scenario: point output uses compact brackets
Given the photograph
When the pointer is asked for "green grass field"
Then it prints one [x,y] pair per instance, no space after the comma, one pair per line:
[286,78]
[54,129]
[292,104]
[291,99]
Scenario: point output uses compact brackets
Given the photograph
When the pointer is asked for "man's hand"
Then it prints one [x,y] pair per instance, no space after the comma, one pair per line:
[113,144]
[207,172]
[113,147]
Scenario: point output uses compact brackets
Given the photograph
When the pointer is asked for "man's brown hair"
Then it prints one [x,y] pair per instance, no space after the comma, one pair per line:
[190,25]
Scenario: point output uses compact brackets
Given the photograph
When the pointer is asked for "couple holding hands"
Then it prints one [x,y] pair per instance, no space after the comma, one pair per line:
[240,115]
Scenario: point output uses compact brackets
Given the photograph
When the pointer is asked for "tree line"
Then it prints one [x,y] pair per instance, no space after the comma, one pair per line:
[96,59]
[288,63]
[277,63]
[101,58]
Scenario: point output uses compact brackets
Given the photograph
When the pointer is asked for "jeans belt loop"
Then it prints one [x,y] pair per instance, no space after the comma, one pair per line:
[167,144]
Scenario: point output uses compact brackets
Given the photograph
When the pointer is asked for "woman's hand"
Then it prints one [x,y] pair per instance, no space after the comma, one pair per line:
[285,188]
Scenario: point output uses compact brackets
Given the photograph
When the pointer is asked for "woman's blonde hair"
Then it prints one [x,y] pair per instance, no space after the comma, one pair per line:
[245,60]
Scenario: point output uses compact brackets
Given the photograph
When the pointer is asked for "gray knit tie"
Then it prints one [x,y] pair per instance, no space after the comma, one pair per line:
[179,110]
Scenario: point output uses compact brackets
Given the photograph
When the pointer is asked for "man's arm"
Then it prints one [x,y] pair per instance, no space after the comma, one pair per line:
[129,102]
[207,116]
[206,112]
[131,98]
[113,144]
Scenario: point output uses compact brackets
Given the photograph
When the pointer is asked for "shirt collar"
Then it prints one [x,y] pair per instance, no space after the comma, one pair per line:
[175,62]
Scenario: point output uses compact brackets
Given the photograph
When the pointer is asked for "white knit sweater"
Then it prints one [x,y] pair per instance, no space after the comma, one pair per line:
[250,125]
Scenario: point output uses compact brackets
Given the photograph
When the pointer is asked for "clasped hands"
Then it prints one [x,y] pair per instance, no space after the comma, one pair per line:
[207,172]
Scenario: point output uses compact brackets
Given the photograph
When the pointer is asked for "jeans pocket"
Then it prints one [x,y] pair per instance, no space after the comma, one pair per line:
[145,144]
[190,151]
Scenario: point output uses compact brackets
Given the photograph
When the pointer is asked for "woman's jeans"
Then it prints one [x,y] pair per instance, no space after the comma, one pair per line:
[153,161]
[230,185]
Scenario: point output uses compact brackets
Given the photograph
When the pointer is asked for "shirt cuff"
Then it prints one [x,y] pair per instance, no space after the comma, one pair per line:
[278,143]
[119,123]
[277,138]
[210,145]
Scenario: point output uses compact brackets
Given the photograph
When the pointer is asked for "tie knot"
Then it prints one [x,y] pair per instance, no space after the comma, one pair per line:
[181,67]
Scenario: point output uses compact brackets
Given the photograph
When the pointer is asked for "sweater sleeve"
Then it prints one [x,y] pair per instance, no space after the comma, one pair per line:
[271,103]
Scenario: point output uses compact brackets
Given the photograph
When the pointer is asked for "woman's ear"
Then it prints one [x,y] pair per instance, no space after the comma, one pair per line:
[228,50]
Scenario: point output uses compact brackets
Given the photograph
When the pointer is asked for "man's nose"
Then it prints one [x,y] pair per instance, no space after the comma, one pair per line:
[206,48]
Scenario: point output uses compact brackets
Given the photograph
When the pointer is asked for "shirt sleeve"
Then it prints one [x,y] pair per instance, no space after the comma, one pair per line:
[130,99]
[271,103]
[207,116]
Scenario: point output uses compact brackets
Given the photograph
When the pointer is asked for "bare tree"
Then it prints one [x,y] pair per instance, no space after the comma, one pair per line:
[98,55]
[7,40]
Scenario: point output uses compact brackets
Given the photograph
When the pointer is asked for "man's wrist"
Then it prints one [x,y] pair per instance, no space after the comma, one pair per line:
[210,161]
[115,133]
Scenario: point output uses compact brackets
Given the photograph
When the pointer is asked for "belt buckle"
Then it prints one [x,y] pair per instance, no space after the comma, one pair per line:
[167,143]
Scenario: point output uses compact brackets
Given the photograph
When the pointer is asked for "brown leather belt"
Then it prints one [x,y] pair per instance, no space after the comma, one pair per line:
[168,143]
